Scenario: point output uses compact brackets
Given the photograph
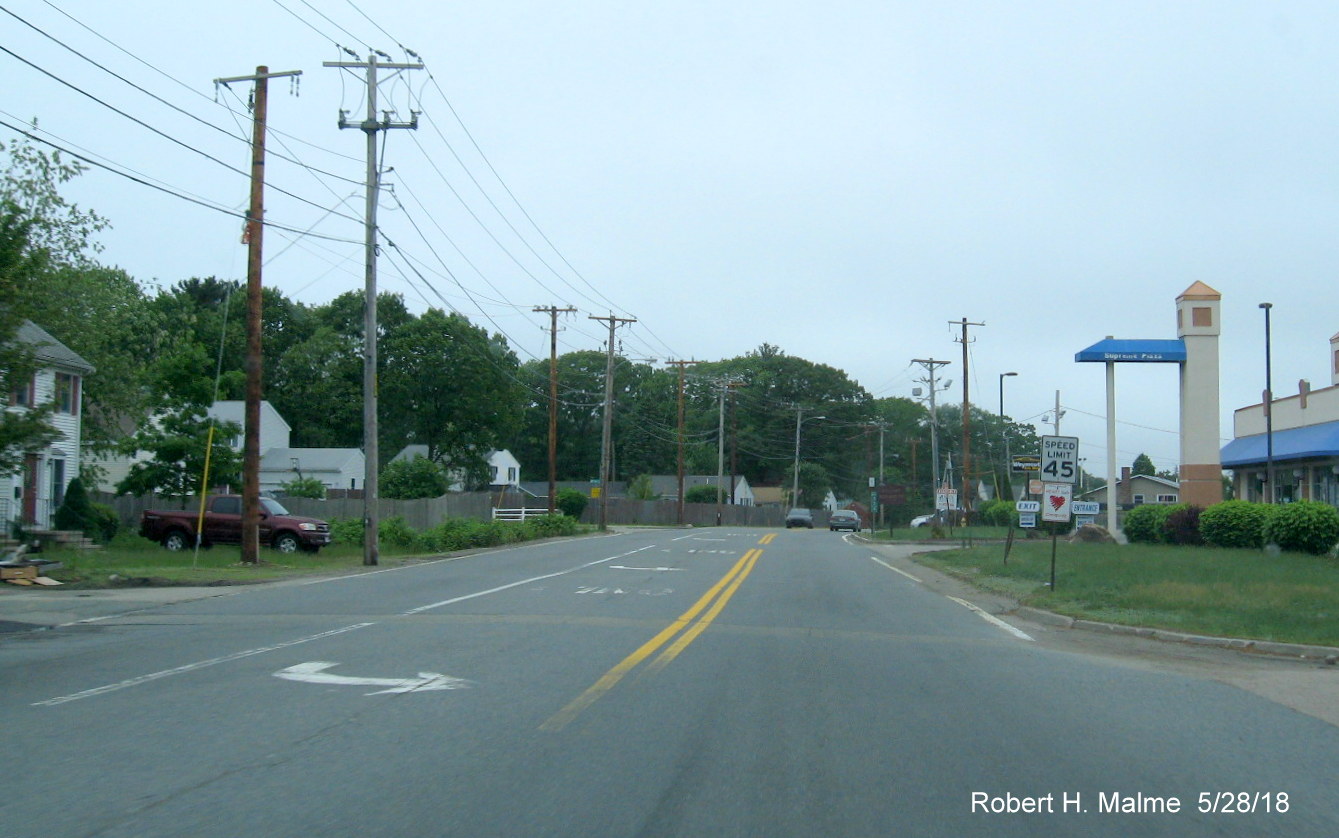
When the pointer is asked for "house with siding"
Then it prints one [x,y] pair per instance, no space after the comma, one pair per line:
[38,488]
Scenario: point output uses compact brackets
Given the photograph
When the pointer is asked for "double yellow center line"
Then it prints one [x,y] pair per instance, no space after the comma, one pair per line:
[713,601]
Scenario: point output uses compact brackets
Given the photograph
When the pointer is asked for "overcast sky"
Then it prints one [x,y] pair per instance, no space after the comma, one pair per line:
[839,179]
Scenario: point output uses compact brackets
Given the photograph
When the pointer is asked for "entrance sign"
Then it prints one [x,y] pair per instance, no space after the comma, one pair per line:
[1060,459]
[1055,502]
[1086,507]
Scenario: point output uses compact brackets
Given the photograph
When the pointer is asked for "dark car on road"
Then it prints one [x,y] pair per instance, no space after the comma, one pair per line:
[844,519]
[799,518]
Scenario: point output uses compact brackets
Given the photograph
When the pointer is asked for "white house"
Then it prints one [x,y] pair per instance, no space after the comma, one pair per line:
[274,431]
[505,469]
[38,488]
[666,486]
[336,468]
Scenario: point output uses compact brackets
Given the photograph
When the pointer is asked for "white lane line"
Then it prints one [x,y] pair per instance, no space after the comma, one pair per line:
[992,619]
[893,569]
[532,579]
[191,667]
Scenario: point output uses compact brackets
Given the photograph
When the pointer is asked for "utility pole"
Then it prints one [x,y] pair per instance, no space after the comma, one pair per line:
[681,365]
[254,238]
[966,499]
[607,438]
[553,312]
[371,126]
[727,385]
[931,365]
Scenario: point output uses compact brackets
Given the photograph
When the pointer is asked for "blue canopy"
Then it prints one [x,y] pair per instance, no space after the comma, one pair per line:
[1139,351]
[1293,444]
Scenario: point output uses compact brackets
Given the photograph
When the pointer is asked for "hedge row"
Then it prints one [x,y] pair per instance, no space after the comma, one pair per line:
[1303,526]
[454,533]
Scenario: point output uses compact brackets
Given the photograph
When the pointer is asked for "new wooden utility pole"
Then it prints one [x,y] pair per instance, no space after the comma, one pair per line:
[553,312]
[254,238]
[371,126]
[966,500]
[607,437]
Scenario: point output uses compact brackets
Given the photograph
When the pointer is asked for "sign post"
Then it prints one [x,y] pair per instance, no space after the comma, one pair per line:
[1059,472]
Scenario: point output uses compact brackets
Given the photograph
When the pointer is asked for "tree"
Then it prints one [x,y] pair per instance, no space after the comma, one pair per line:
[418,477]
[815,483]
[640,488]
[1143,464]
[303,487]
[29,430]
[177,439]
[447,385]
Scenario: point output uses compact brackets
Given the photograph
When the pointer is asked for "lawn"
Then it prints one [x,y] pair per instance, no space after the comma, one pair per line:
[1288,597]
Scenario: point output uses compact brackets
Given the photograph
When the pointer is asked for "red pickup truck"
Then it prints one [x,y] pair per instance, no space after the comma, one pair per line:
[287,533]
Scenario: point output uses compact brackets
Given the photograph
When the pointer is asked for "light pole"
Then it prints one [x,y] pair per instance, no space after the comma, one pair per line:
[1008,460]
[1270,497]
[795,487]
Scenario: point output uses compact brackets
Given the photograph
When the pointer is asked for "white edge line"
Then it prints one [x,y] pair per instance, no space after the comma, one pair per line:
[893,569]
[992,619]
[191,667]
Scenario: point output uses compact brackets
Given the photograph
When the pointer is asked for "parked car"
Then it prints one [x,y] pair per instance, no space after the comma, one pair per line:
[922,520]
[844,519]
[175,528]
[799,518]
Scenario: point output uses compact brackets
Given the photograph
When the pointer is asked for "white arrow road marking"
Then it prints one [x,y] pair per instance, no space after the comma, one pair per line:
[313,672]
[992,619]
[657,569]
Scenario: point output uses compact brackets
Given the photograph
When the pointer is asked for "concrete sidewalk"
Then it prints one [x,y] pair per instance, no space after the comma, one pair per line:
[29,609]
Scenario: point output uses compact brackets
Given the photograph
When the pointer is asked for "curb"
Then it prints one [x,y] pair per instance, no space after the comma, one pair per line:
[1325,654]
[1299,651]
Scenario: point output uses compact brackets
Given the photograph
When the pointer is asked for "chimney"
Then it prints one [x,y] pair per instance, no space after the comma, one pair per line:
[1124,491]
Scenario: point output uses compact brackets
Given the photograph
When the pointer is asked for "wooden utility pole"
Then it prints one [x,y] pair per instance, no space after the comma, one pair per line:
[681,365]
[370,126]
[966,500]
[553,312]
[253,236]
[607,438]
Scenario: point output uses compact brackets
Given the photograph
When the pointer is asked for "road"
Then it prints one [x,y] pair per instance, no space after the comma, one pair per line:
[648,683]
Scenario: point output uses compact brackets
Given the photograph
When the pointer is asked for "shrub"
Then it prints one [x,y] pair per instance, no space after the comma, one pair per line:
[1182,525]
[703,494]
[415,478]
[397,532]
[998,513]
[571,502]
[1305,526]
[304,487]
[346,531]
[1235,523]
[106,523]
[1143,524]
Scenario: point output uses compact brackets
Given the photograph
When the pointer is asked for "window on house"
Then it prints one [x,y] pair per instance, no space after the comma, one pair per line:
[1166,498]
[67,393]
[1138,499]
[22,395]
[511,475]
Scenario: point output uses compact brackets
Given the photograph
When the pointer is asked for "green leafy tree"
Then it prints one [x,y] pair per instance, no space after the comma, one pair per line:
[570,502]
[451,387]
[1143,464]
[26,430]
[176,442]
[418,477]
[640,488]
[815,483]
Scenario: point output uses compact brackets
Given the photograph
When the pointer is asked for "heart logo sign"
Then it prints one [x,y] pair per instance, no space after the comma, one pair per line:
[1057,501]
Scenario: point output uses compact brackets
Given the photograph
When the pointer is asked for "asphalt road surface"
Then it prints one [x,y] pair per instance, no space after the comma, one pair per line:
[725,682]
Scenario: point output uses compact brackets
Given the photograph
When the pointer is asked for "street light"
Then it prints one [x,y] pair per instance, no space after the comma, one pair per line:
[795,487]
[1271,497]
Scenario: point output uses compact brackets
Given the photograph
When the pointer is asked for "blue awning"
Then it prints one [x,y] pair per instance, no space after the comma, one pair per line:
[1138,351]
[1293,444]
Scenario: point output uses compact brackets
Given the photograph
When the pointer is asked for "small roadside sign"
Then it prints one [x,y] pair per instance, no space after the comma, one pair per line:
[1055,502]
[1060,459]
[1086,507]
[1027,520]
[944,501]
[1027,505]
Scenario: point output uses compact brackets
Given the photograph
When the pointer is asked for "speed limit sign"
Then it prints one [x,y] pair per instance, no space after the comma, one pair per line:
[1060,459]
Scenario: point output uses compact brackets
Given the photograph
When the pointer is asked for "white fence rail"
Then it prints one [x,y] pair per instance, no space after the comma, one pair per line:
[517,514]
